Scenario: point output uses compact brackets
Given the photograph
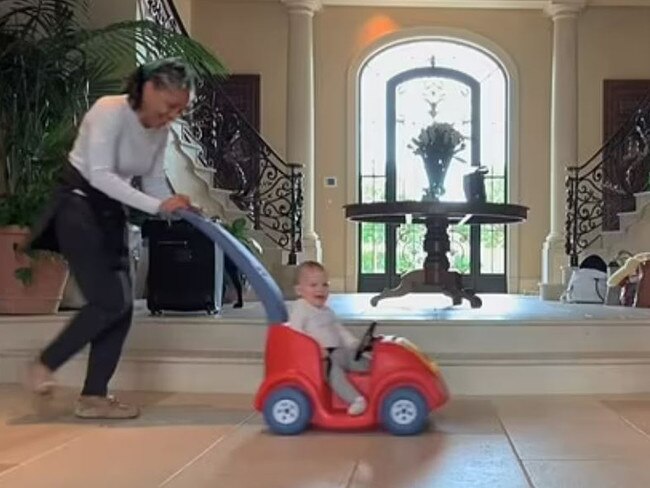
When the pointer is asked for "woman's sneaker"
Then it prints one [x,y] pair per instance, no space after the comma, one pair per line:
[96,407]
[358,406]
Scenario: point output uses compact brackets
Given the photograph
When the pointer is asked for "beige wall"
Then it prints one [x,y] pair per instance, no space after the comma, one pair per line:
[614,44]
[184,9]
[104,12]
[251,37]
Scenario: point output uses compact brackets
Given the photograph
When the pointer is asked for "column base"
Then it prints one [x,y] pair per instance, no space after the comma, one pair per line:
[551,292]
[311,248]
[555,268]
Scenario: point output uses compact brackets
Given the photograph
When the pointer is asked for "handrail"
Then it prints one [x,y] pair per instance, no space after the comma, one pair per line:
[605,185]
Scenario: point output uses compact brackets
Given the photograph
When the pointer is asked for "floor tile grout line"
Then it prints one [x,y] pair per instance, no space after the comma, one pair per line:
[514,451]
[634,427]
[192,461]
[348,482]
[627,421]
[33,459]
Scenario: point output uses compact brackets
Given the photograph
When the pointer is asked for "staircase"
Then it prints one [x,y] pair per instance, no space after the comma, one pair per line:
[634,232]
[189,177]
[608,197]
[228,169]
[632,236]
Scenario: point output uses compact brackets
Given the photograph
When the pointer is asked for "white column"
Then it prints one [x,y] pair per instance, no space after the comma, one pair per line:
[300,110]
[564,137]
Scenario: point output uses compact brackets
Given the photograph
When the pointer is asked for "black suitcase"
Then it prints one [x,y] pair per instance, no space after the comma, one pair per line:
[183,272]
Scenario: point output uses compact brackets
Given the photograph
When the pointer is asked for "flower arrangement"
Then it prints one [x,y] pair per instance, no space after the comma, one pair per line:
[437,144]
[440,139]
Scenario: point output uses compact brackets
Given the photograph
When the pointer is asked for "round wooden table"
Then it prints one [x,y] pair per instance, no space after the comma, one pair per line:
[435,275]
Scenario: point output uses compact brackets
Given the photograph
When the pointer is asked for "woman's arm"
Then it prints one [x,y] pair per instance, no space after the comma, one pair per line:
[101,131]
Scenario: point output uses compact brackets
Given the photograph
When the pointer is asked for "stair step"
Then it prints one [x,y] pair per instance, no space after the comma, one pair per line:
[474,374]
[514,346]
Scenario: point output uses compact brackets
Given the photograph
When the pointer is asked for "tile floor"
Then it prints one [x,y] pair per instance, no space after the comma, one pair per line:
[195,441]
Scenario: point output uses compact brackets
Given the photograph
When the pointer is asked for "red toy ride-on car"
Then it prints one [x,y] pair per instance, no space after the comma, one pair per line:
[402,385]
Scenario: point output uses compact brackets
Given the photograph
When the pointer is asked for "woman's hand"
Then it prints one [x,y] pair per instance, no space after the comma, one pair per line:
[177,202]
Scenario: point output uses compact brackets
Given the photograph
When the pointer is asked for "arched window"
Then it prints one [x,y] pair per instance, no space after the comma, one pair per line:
[468,87]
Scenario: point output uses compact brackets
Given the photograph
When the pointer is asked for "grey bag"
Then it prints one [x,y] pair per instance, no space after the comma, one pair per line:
[587,286]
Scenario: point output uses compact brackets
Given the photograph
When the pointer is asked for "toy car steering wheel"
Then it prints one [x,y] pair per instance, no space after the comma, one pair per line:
[366,341]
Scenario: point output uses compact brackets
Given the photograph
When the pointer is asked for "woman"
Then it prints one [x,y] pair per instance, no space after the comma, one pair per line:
[120,137]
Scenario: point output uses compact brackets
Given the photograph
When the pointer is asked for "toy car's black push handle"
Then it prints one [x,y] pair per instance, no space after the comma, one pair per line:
[262,282]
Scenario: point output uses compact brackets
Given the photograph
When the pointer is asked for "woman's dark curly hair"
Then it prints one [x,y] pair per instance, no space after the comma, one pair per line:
[171,73]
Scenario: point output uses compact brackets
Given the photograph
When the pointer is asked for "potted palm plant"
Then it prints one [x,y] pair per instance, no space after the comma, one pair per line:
[53,68]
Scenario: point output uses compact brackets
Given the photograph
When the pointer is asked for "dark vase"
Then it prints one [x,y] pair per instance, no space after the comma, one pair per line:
[474,185]
[436,167]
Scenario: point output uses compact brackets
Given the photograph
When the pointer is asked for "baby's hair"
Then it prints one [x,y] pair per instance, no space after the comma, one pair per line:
[307,265]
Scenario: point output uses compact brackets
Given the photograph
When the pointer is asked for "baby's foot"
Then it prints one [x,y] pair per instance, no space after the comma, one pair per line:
[358,406]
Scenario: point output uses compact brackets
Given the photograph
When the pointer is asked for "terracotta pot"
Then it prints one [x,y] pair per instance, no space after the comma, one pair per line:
[49,275]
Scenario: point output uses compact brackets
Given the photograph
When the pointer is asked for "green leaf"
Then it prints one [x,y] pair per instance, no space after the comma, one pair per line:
[239,226]
[24,275]
[239,229]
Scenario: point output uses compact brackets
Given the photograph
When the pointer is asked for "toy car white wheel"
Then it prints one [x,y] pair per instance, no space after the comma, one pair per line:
[287,411]
[404,412]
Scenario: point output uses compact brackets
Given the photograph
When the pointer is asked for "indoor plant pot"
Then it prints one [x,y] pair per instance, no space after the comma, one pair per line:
[29,285]
[54,67]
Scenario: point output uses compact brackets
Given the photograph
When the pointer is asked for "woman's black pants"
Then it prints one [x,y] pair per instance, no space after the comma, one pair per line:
[92,248]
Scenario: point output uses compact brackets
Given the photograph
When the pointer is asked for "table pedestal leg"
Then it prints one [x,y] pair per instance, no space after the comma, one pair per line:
[408,283]
[435,276]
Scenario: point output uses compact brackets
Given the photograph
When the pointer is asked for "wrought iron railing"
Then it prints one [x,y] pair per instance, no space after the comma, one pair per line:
[605,185]
[263,185]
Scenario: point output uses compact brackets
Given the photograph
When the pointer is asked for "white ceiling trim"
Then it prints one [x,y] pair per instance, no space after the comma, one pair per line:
[484,4]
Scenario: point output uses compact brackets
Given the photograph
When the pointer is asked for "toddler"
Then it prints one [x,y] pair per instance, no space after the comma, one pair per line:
[311,315]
